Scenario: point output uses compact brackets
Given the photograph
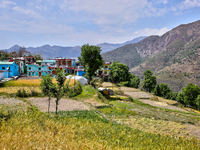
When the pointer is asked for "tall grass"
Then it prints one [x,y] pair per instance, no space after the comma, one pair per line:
[31,130]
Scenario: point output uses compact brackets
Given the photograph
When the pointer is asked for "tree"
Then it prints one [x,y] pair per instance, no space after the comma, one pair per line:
[197,101]
[46,85]
[163,90]
[38,56]
[57,90]
[119,72]
[149,82]
[190,93]
[134,82]
[91,60]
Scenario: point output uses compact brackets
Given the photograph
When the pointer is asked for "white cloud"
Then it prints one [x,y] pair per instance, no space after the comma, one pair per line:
[148,32]
[6,3]
[113,12]
[187,4]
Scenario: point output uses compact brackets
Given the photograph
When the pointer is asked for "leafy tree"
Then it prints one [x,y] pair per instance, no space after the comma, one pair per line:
[191,92]
[57,90]
[180,97]
[134,82]
[119,72]
[197,101]
[46,85]
[163,90]
[91,60]
[38,56]
[149,82]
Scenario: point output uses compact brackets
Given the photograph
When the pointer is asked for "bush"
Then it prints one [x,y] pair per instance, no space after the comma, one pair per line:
[119,92]
[73,91]
[21,93]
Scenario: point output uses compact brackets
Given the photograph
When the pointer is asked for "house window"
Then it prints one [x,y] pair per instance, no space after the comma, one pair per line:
[29,68]
[39,68]
[3,68]
[105,72]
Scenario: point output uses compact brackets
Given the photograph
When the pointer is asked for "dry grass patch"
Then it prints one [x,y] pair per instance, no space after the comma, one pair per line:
[32,82]
[157,126]
[14,89]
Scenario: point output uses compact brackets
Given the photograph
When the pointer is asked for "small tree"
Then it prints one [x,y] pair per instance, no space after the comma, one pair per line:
[134,82]
[163,90]
[149,82]
[91,60]
[57,90]
[46,85]
[191,92]
[119,72]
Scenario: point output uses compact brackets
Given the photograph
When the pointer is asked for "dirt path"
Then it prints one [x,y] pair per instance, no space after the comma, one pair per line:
[64,104]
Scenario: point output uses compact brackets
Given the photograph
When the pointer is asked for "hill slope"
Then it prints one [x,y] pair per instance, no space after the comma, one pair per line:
[173,57]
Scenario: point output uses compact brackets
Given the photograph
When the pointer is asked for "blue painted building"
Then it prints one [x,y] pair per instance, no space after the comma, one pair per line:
[10,67]
[38,70]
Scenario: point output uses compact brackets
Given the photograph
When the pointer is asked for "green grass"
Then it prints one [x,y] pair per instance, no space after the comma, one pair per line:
[87,93]
[31,130]
[82,114]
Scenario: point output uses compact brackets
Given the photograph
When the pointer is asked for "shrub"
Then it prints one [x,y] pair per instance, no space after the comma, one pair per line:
[119,92]
[21,93]
[73,91]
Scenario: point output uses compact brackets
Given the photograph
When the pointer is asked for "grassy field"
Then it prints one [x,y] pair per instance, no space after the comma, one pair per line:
[121,125]
[31,82]
[79,130]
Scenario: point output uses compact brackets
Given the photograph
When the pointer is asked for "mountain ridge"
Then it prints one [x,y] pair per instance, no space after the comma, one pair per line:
[48,51]
[178,47]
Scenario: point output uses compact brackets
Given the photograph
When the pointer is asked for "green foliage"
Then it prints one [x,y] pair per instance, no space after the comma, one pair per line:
[191,92]
[119,72]
[46,85]
[21,93]
[91,59]
[134,82]
[57,90]
[180,97]
[197,101]
[149,82]
[163,90]
[74,90]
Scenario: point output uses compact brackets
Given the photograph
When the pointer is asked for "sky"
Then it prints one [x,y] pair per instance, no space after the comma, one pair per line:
[76,22]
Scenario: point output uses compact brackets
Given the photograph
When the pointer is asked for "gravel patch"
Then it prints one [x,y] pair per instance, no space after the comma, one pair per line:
[10,101]
[64,104]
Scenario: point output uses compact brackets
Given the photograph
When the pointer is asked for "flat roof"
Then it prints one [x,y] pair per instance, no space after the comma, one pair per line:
[6,63]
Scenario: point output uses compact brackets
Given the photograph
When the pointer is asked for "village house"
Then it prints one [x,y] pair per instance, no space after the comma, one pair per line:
[9,69]
[21,64]
[67,65]
[38,70]
[105,71]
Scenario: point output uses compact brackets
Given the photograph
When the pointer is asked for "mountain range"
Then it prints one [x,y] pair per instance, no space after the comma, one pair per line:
[173,57]
[48,51]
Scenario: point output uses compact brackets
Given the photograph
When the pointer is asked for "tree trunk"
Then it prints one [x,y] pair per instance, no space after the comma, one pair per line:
[56,106]
[49,104]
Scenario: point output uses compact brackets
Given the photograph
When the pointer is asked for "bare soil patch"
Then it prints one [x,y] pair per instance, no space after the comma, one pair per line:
[138,95]
[10,101]
[64,104]
[161,104]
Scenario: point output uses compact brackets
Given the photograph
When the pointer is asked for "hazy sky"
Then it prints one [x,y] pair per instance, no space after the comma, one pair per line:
[77,22]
